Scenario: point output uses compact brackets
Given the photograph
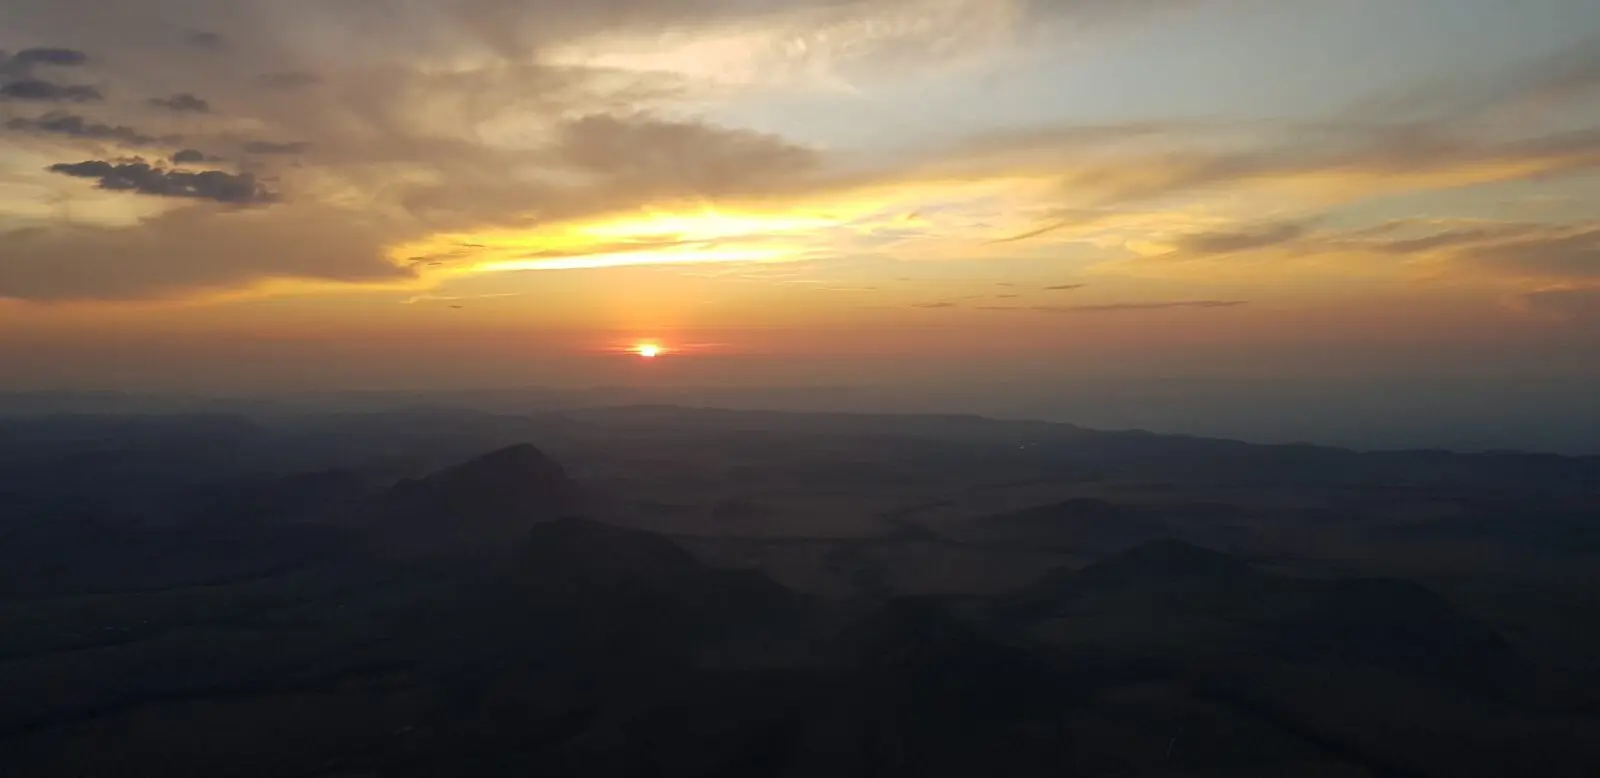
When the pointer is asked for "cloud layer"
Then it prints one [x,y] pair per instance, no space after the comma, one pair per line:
[406,130]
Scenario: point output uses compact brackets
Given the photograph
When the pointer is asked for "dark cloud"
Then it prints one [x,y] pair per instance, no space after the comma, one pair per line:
[188,156]
[182,103]
[1242,240]
[58,57]
[35,90]
[942,304]
[22,64]
[1064,287]
[52,56]
[141,178]
[1035,233]
[75,126]
[271,147]
[203,39]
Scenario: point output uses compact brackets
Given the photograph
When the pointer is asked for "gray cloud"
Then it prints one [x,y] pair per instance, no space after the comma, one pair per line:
[35,90]
[182,103]
[51,56]
[141,178]
[188,156]
[203,39]
[23,63]
[1241,240]
[1064,287]
[75,126]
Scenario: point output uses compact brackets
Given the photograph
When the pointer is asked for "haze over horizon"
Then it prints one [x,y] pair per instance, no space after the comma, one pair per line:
[1359,222]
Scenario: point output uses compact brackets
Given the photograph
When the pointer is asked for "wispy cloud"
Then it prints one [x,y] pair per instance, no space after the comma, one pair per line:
[1152,306]
[182,103]
[437,298]
[1241,240]
[1129,307]
[40,91]
[74,126]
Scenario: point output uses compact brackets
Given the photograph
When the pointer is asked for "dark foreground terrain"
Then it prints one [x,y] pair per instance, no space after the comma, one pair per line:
[672,592]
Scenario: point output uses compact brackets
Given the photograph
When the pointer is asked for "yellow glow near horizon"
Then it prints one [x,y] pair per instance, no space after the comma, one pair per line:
[963,211]
[630,258]
[648,350]
[708,224]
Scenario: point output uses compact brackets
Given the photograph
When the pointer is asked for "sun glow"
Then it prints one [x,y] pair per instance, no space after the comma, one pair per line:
[863,220]
[648,350]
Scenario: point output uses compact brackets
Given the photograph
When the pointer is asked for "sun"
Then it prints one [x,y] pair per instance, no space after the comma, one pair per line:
[649,350]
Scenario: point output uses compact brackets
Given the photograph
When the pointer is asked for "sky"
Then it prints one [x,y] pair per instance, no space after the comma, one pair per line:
[1322,207]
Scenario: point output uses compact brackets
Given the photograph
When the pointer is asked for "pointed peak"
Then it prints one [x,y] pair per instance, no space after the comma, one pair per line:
[498,496]
[522,456]
[576,543]
[1167,559]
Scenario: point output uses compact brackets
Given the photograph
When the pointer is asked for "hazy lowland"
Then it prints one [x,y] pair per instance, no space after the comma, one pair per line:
[663,591]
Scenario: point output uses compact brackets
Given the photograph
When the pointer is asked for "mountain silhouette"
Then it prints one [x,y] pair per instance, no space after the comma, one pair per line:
[622,583]
[1083,524]
[492,499]
[1183,602]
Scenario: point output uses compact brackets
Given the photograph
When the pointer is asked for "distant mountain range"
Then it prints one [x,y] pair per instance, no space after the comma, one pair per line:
[507,613]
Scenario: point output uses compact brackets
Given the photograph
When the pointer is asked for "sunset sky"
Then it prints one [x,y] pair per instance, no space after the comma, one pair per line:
[267,194]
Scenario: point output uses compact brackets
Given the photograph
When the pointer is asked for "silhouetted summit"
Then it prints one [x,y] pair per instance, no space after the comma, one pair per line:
[581,549]
[1081,525]
[1404,624]
[1160,575]
[516,478]
[497,496]
[907,630]
[1179,601]
[1168,560]
[620,580]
